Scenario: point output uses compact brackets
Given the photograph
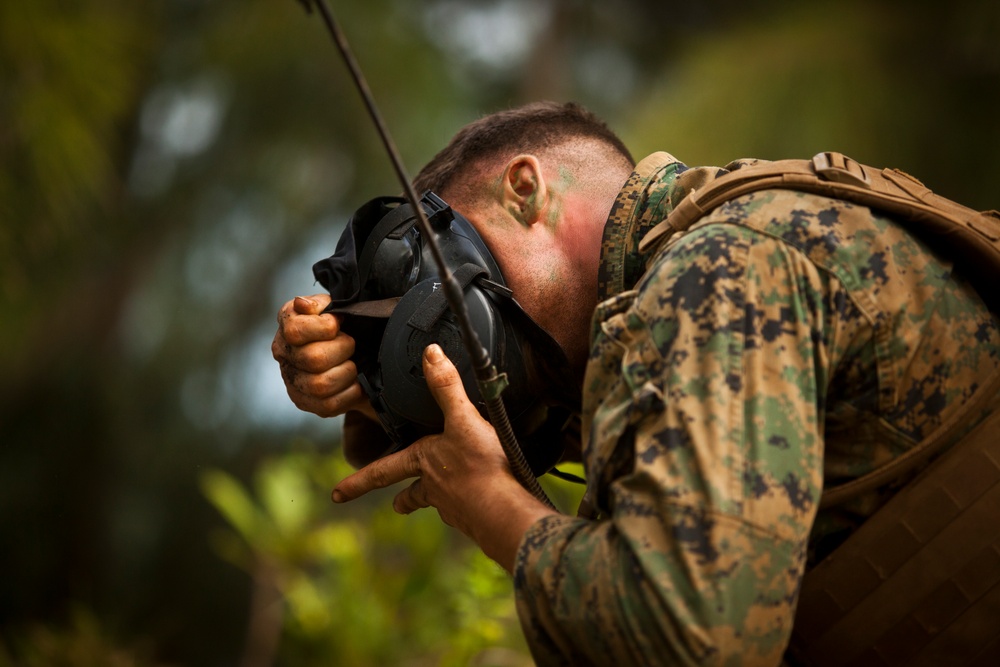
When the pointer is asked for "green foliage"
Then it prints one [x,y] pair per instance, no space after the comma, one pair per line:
[82,642]
[767,88]
[69,78]
[886,83]
[359,584]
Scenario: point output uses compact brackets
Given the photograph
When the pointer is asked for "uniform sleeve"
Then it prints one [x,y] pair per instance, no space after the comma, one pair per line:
[704,444]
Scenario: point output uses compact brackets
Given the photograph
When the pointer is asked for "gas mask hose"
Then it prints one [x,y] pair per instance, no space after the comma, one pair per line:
[491,383]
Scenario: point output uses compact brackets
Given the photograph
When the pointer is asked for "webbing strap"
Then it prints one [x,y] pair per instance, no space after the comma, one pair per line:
[430,311]
[919,582]
[433,307]
[972,236]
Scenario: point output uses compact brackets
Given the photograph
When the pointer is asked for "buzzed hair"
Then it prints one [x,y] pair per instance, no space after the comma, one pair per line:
[533,127]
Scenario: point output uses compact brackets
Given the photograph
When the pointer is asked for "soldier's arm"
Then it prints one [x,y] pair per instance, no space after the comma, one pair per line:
[710,426]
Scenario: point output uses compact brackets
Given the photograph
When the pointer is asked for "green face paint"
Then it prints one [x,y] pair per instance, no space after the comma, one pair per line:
[567,181]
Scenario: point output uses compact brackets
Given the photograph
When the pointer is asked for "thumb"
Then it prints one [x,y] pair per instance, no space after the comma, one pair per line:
[443,379]
[308,305]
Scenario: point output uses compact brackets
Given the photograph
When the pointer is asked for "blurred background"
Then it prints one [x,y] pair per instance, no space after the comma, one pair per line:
[169,170]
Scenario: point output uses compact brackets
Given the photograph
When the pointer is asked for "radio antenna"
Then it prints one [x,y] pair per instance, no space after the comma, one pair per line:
[491,383]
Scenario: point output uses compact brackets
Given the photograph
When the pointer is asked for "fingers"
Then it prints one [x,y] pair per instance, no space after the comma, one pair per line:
[310,341]
[378,475]
[327,381]
[302,321]
[320,377]
[315,357]
[464,427]
[411,499]
[304,305]
[330,401]
[443,380]
[374,476]
[443,462]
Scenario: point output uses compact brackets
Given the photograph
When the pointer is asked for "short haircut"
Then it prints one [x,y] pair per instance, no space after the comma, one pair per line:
[538,126]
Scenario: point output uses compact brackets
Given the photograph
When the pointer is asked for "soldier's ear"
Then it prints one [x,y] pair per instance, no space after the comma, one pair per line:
[524,191]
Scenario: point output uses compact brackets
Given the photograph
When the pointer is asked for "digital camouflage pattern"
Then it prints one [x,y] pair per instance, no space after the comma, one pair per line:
[785,342]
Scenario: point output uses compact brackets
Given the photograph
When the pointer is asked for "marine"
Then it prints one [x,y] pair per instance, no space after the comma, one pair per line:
[785,343]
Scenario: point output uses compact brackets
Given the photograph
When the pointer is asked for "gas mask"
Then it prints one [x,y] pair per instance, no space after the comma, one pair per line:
[385,285]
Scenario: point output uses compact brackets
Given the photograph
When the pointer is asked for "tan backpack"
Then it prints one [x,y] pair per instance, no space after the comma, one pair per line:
[919,582]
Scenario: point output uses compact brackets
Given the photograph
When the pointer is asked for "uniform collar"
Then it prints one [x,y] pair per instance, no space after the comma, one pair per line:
[659,182]
[642,202]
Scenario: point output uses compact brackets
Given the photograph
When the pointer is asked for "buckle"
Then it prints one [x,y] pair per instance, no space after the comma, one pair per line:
[839,168]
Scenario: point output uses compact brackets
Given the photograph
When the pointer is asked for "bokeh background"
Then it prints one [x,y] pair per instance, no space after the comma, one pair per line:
[170,169]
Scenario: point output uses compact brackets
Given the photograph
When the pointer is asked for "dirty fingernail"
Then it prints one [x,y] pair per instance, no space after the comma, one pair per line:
[303,301]
[434,353]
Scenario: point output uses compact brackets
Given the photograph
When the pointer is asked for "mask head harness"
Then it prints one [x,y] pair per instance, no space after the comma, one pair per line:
[383,279]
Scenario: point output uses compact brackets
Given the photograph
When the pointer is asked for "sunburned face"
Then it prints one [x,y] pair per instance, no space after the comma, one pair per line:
[544,229]
[536,269]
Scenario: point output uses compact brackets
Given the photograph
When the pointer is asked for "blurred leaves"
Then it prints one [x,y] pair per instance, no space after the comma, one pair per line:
[82,642]
[71,74]
[367,587]
[890,84]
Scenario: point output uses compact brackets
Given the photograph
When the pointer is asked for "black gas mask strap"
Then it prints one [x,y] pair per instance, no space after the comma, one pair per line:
[381,308]
[391,226]
[435,304]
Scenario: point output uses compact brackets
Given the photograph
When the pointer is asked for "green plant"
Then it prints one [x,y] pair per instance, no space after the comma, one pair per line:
[81,641]
[357,584]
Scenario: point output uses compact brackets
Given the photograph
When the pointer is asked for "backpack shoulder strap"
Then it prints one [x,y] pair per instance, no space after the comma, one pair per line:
[970,235]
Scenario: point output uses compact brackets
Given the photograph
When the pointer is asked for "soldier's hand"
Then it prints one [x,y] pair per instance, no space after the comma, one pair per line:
[461,472]
[315,359]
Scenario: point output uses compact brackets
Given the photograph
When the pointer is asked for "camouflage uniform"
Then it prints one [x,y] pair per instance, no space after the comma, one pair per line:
[784,342]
